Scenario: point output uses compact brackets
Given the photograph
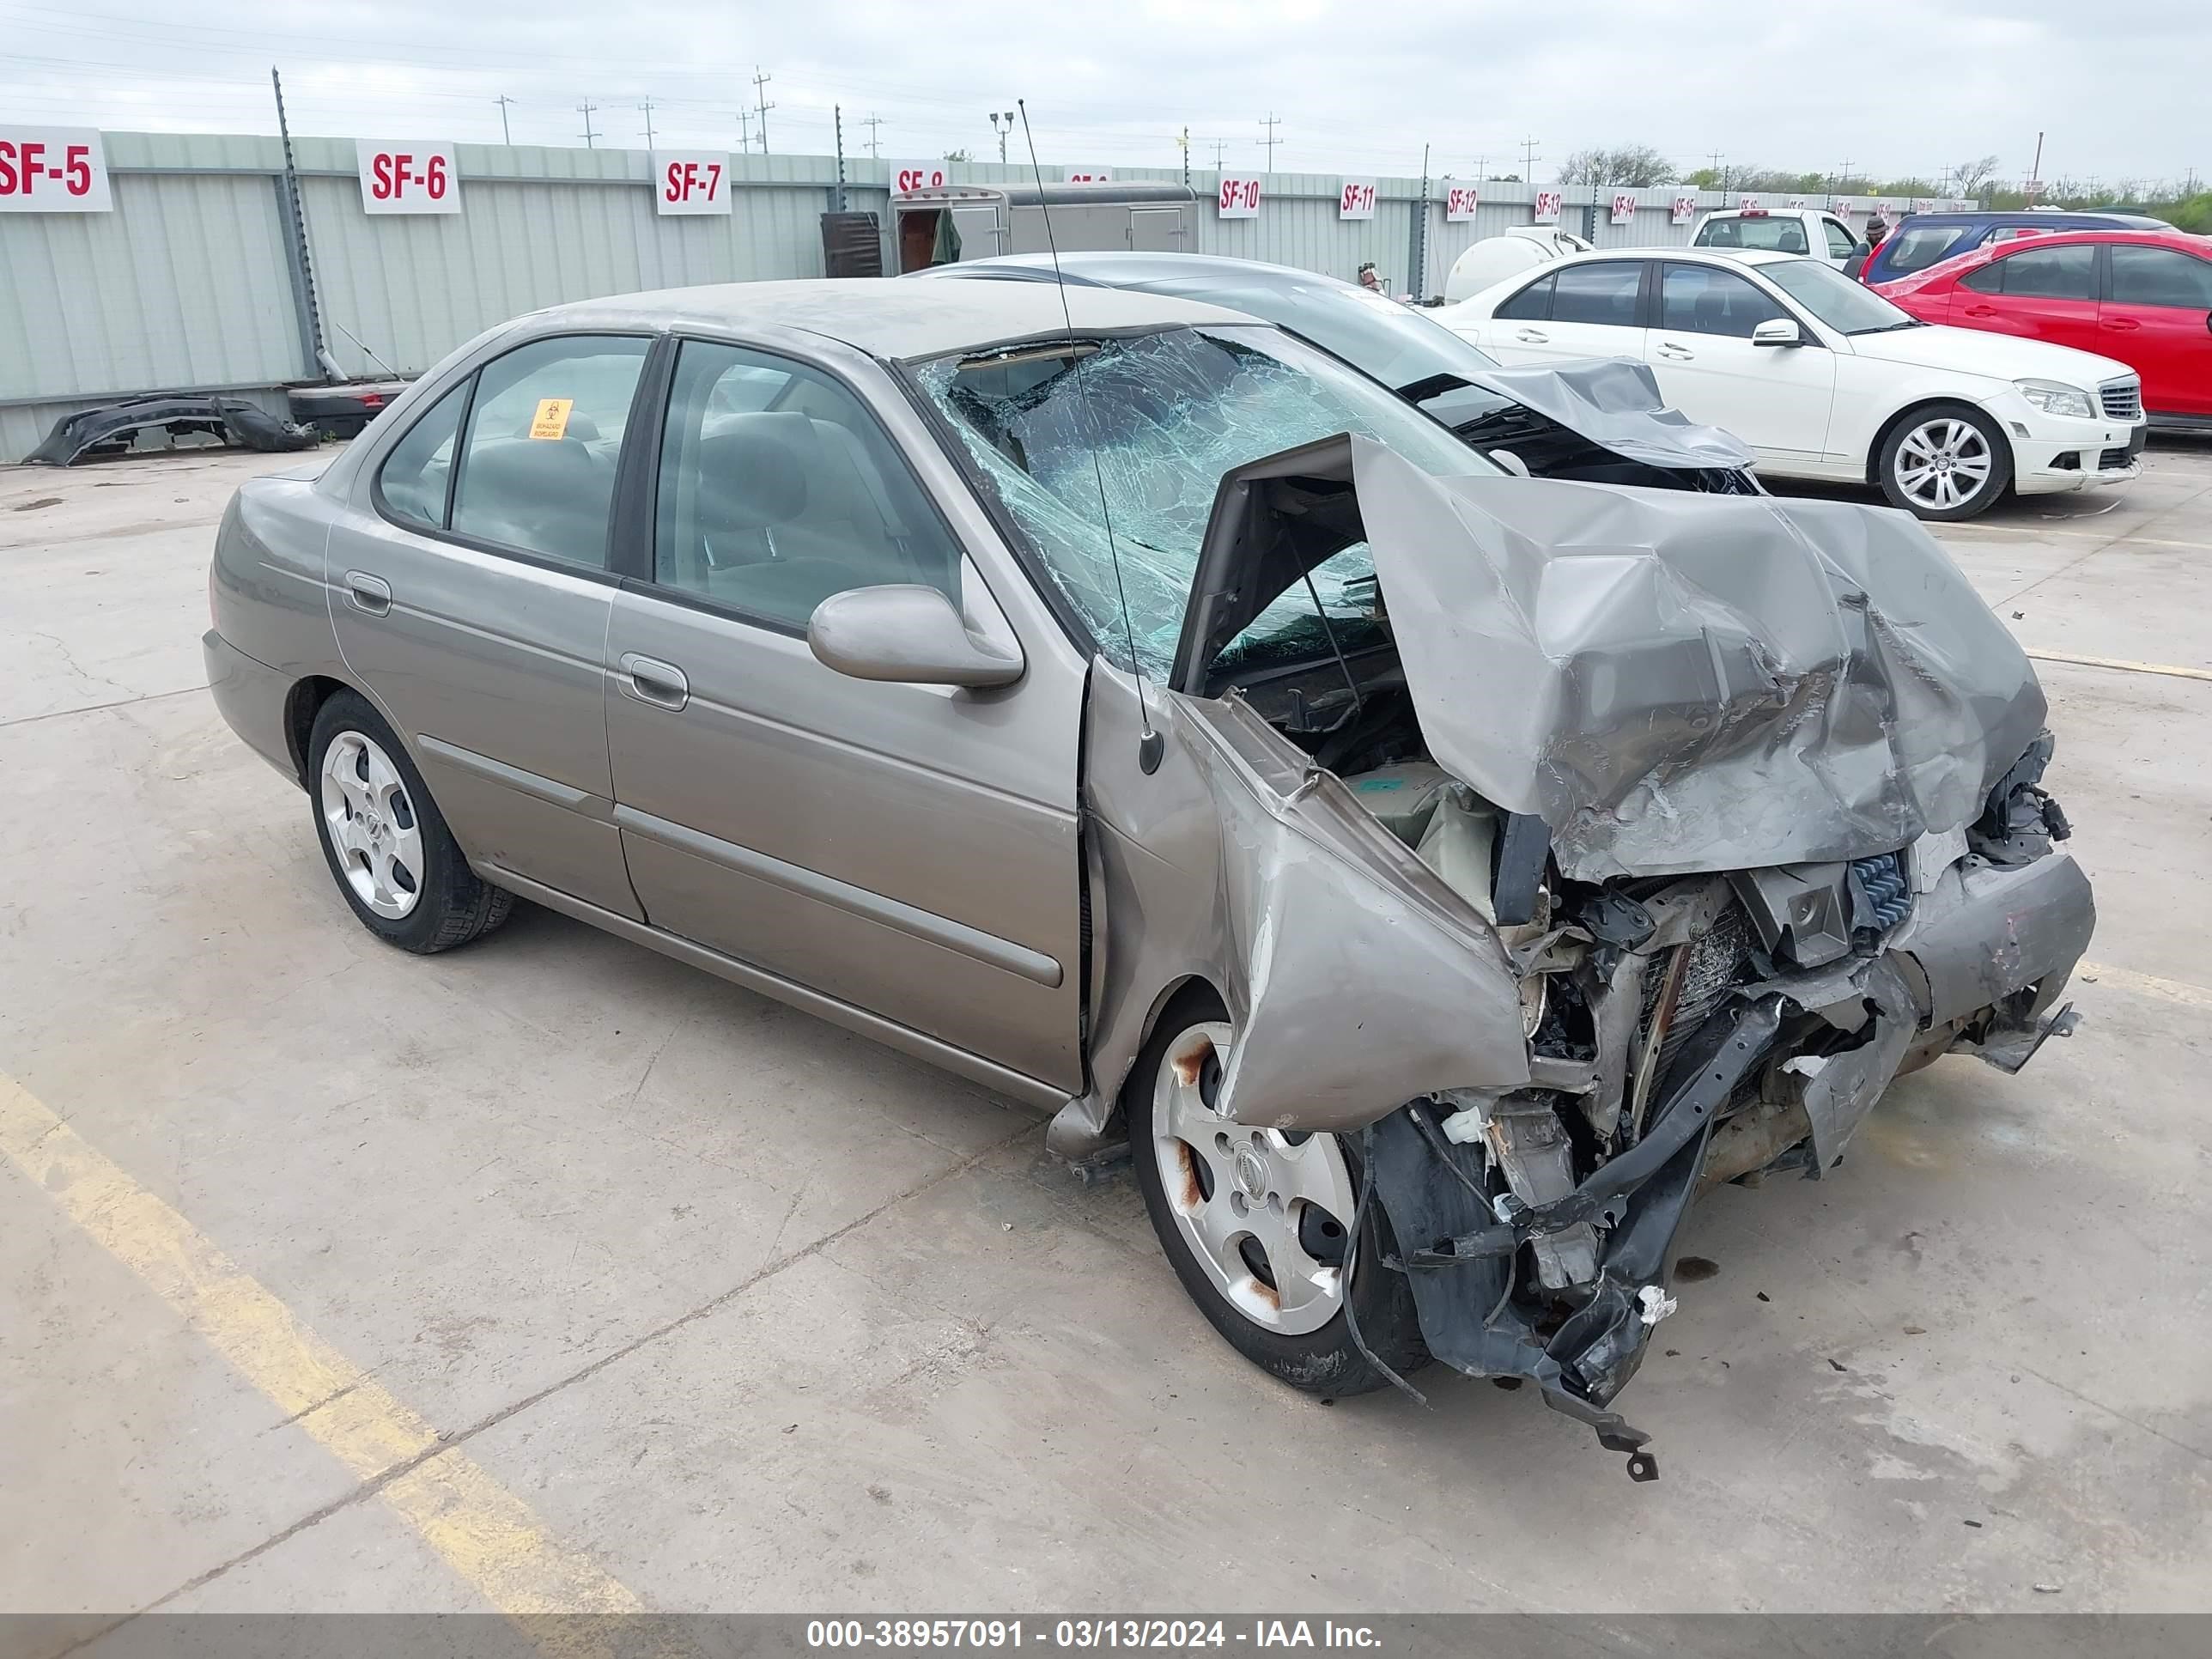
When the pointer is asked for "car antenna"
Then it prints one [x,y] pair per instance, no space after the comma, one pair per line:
[1149,742]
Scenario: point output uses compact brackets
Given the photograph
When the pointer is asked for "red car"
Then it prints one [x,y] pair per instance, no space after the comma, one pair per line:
[2142,296]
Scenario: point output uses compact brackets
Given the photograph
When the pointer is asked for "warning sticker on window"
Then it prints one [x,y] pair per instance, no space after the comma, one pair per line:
[551,420]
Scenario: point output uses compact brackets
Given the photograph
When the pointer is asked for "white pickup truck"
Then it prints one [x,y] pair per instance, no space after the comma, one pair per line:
[1810,231]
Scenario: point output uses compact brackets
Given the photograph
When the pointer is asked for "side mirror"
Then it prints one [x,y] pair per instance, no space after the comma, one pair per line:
[908,633]
[1777,332]
[1511,462]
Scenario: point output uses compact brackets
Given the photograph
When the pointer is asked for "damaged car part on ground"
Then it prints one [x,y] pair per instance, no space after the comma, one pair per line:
[1435,875]
[114,428]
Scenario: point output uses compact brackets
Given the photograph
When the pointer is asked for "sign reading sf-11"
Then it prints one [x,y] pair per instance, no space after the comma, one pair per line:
[53,170]
[399,177]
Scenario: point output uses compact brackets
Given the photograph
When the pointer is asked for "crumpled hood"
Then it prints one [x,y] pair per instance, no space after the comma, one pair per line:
[1681,683]
[1614,402]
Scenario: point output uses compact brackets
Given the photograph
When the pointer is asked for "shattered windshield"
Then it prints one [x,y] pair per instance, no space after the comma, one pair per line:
[1164,415]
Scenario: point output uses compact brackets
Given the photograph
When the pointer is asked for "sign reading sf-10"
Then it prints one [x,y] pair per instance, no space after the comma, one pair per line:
[53,170]
[691,181]
[398,176]
[1239,198]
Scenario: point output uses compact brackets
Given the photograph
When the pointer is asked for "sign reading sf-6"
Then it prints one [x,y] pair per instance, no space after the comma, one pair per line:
[691,181]
[399,177]
[1239,198]
[53,170]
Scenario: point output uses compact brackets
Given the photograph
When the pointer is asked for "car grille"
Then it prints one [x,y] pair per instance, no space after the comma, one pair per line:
[2123,399]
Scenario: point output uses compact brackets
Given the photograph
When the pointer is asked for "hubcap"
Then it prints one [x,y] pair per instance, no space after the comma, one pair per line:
[372,824]
[1943,463]
[1254,1205]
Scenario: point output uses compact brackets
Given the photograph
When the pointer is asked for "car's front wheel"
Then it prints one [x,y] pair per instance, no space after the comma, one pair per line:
[1255,1222]
[1945,462]
[385,840]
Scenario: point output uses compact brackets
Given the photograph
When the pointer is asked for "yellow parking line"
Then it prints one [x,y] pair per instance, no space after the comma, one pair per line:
[2124,664]
[2149,984]
[486,1534]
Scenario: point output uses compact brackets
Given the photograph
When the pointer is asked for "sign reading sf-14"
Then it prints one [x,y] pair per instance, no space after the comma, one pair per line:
[691,181]
[398,176]
[53,170]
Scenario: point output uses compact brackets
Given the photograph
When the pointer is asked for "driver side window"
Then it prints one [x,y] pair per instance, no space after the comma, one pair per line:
[778,488]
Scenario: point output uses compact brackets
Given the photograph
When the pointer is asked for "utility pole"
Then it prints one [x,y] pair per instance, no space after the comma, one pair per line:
[760,92]
[745,131]
[1001,133]
[1481,168]
[1271,123]
[647,107]
[1528,160]
[875,144]
[311,316]
[503,100]
[587,110]
[1182,141]
[1219,144]
[1843,180]
[2035,173]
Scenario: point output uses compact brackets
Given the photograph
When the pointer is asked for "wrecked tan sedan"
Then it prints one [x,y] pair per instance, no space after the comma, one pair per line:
[1434,876]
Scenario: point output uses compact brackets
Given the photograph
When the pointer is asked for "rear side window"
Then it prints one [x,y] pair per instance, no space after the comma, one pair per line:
[1919,247]
[1602,293]
[778,488]
[1533,304]
[413,478]
[1768,236]
[2160,277]
[537,466]
[2042,273]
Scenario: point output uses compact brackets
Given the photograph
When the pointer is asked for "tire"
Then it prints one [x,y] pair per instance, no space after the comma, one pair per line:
[386,843]
[1928,455]
[1307,1344]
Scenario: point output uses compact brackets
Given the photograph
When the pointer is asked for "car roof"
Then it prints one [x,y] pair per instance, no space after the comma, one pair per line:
[1703,256]
[1115,268]
[889,318]
[2031,216]
[2169,238]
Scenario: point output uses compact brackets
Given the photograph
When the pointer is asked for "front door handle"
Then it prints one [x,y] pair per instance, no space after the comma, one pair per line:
[1533,336]
[650,680]
[372,594]
[1681,354]
[2121,323]
[1981,311]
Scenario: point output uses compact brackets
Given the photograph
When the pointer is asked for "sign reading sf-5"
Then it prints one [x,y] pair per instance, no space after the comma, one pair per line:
[53,170]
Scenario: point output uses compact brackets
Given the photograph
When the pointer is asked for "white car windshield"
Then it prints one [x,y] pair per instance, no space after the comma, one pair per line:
[1835,299]
[1156,419]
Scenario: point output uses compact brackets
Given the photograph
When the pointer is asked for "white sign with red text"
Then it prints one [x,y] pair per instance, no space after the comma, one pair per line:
[1624,207]
[691,181]
[1239,198]
[1091,175]
[1684,208]
[1840,206]
[53,170]
[1747,203]
[1460,203]
[400,177]
[908,177]
[1357,199]
[1796,203]
[1547,207]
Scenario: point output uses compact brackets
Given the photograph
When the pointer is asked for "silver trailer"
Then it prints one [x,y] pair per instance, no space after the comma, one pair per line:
[952,222]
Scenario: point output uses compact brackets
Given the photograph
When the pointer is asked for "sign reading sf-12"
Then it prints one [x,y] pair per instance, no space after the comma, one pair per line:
[691,181]
[1239,198]
[399,177]
[1460,202]
[53,170]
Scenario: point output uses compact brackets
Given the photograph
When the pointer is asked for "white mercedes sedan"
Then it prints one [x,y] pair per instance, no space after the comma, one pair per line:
[1824,378]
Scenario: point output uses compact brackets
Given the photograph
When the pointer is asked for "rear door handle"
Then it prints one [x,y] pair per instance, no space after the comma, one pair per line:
[370,593]
[1533,336]
[650,680]
[1679,353]
[1981,311]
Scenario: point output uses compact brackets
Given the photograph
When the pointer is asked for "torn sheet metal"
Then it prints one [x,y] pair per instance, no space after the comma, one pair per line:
[1614,402]
[1683,682]
[1355,977]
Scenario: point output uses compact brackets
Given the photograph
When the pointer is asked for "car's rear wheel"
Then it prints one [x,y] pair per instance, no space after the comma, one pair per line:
[385,840]
[1945,462]
[1255,1222]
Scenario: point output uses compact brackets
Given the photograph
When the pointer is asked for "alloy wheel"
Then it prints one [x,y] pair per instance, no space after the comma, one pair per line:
[1943,463]
[1265,1212]
[372,824]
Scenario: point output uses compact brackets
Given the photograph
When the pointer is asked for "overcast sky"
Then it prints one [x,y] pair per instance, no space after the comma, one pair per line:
[1892,87]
